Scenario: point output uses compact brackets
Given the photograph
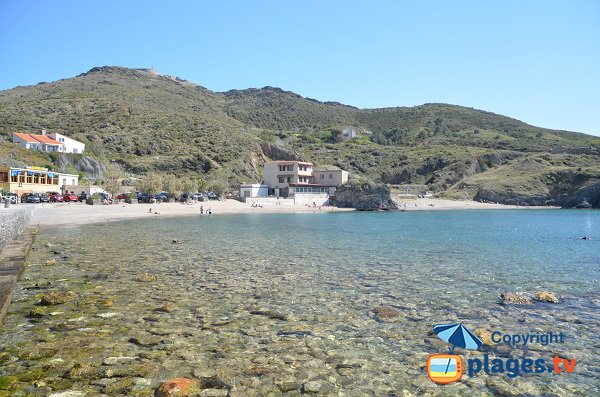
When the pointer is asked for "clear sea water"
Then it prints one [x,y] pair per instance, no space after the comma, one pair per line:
[271,302]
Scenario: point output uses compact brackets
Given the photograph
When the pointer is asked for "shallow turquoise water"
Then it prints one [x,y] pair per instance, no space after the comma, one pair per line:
[325,273]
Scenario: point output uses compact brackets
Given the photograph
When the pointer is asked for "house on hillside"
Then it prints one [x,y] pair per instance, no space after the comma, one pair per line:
[48,142]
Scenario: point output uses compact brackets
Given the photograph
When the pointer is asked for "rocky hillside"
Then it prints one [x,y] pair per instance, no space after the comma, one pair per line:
[146,121]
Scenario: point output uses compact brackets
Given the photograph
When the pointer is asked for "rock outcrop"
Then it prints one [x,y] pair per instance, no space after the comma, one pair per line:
[367,196]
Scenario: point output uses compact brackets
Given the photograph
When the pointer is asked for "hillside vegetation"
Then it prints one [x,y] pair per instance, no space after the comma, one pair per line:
[148,122]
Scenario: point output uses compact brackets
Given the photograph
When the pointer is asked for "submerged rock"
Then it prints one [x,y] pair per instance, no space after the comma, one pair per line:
[485,336]
[546,296]
[316,387]
[36,312]
[168,307]
[117,360]
[68,393]
[386,313]
[213,382]
[270,314]
[178,387]
[516,298]
[147,278]
[55,298]
[51,262]
[107,315]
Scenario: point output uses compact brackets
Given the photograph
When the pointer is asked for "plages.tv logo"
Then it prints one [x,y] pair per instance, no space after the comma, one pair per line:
[449,368]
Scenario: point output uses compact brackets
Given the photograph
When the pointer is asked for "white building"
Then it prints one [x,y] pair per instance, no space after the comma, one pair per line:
[289,178]
[53,142]
[38,142]
[70,145]
[254,190]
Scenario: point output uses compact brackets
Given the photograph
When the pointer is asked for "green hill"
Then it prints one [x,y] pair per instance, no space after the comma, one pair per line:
[146,121]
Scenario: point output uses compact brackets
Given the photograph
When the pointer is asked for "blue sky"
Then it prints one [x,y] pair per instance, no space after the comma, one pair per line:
[538,61]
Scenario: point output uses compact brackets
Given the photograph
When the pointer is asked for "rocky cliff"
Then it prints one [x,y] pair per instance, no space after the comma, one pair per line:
[365,196]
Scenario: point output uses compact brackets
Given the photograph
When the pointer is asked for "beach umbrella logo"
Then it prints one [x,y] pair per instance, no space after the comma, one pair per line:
[458,336]
[447,368]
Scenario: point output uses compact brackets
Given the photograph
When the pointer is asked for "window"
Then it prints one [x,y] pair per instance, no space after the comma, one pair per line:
[74,150]
[73,182]
[290,168]
[64,181]
[281,179]
[289,178]
[36,178]
[29,178]
[322,176]
[282,168]
[3,176]
[330,176]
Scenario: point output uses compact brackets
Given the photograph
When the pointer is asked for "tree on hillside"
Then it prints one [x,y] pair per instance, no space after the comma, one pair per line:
[150,184]
[113,179]
[172,185]
[189,185]
[218,188]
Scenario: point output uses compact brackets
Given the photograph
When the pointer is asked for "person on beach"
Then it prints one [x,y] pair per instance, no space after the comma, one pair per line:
[150,211]
[209,211]
[201,210]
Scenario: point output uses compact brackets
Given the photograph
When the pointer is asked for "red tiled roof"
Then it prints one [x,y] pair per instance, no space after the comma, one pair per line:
[38,139]
[284,162]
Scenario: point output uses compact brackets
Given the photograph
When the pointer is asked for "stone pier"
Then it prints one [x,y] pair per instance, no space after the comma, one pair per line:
[16,237]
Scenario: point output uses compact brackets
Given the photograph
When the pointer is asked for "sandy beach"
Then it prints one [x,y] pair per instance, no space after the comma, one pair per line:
[79,213]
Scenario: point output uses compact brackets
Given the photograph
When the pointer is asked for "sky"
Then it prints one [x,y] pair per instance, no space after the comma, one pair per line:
[535,60]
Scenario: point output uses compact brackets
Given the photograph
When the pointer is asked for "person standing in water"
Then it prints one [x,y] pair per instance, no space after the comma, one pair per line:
[209,211]
[201,209]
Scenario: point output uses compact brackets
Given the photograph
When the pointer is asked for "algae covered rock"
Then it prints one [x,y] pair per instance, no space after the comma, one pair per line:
[516,298]
[56,298]
[178,387]
[147,278]
[485,336]
[546,296]
[36,312]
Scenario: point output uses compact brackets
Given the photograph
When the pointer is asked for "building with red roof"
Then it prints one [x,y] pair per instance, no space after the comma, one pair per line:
[52,142]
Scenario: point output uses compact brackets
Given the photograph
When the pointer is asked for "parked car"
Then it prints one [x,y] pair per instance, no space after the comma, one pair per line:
[11,197]
[30,198]
[212,196]
[68,197]
[122,196]
[44,198]
[193,196]
[56,197]
[82,196]
[161,197]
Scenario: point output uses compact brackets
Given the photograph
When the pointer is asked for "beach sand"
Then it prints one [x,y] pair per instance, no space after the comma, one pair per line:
[79,213]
